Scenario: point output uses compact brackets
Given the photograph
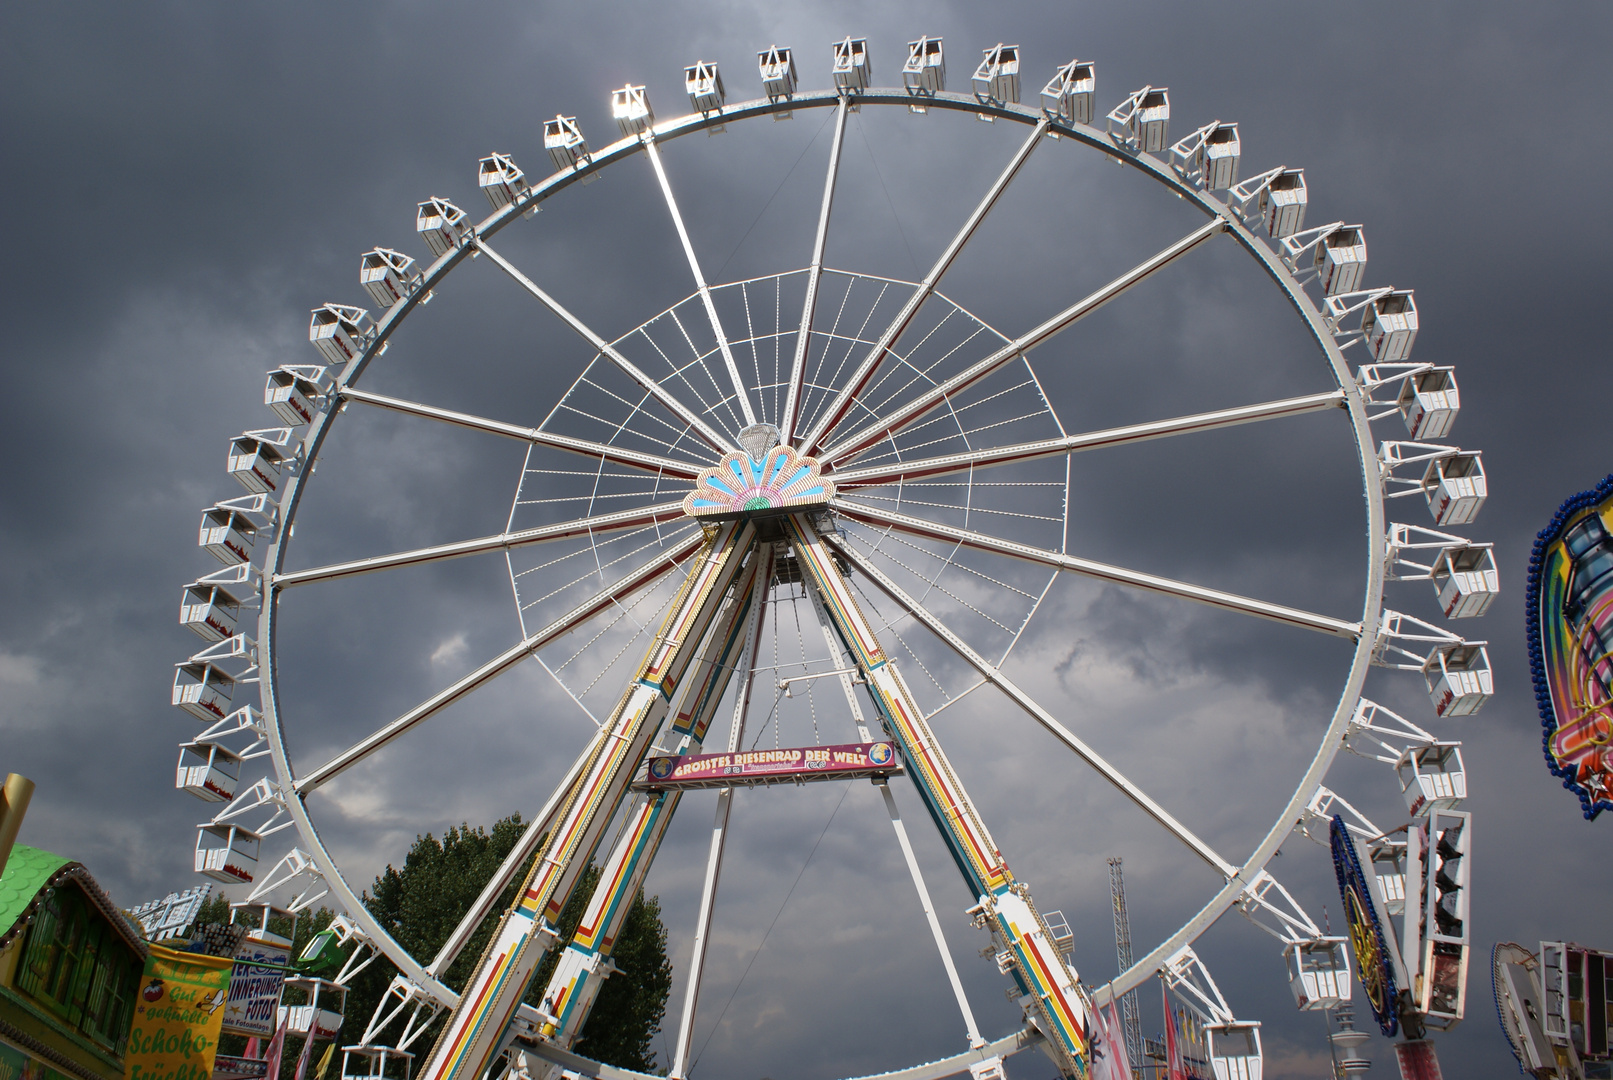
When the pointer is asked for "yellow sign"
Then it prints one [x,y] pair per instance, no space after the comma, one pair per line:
[177,1015]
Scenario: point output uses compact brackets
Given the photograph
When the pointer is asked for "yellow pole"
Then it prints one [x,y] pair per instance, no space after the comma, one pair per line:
[13,805]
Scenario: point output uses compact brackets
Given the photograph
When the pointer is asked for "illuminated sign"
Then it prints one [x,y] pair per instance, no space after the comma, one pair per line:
[739,484]
[1366,932]
[1570,605]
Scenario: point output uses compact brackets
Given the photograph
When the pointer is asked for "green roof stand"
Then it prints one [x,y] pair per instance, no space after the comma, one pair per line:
[26,874]
[29,876]
[30,872]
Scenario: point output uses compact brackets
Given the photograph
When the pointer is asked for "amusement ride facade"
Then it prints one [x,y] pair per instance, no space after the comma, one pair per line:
[851,457]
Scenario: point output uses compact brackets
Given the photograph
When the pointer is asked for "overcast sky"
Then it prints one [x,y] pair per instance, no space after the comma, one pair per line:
[183,182]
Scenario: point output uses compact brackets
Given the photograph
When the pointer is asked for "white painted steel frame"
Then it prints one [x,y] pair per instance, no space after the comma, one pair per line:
[809,307]
[971,1028]
[581,971]
[923,403]
[476,1030]
[598,524]
[994,675]
[948,464]
[840,404]
[661,394]
[1102,571]
[1245,875]
[653,463]
[740,393]
[600,601]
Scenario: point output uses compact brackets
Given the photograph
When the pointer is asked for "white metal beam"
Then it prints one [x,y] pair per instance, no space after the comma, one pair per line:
[890,472]
[740,392]
[536,830]
[711,435]
[992,673]
[923,403]
[599,523]
[644,575]
[809,307]
[719,828]
[1102,571]
[969,1024]
[840,404]
[653,463]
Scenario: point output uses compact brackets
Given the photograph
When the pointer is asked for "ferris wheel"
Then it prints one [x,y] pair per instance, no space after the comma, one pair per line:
[775,534]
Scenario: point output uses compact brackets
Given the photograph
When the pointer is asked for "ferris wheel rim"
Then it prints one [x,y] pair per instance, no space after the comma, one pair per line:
[1354,404]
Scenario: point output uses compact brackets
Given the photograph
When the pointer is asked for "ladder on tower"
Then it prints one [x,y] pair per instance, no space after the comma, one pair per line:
[1130,1019]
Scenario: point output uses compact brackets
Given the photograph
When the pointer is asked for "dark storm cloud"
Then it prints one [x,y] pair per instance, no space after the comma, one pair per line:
[184,182]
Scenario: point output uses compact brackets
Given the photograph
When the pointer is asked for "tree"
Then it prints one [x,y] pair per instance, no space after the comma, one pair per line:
[421,903]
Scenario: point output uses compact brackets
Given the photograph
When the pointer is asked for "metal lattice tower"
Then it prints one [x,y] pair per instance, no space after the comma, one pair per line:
[1129,1017]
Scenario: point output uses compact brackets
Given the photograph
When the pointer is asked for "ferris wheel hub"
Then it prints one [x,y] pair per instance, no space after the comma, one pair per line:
[743,483]
[758,439]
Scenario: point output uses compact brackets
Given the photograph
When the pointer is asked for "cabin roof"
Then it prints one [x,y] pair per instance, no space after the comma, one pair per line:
[30,872]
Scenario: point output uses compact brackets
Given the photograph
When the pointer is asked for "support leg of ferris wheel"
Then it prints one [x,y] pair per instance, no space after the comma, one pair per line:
[838,658]
[1050,992]
[501,879]
[475,1031]
[586,962]
[719,830]
[969,1024]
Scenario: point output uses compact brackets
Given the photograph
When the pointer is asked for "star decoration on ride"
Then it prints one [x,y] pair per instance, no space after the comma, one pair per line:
[762,477]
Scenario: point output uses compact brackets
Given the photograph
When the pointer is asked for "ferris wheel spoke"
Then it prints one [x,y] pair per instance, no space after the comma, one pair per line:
[586,526]
[654,463]
[840,404]
[709,434]
[809,307]
[740,392]
[1101,571]
[650,572]
[905,414]
[994,675]
[945,464]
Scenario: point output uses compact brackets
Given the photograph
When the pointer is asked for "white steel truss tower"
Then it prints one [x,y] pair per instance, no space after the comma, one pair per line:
[1129,1018]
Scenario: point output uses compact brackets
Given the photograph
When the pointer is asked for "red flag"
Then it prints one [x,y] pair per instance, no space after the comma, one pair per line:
[1119,1057]
[307,1051]
[276,1046]
[1101,1045]
[1173,1051]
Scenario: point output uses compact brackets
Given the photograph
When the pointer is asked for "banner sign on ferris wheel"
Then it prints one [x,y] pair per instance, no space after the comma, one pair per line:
[788,765]
[1570,605]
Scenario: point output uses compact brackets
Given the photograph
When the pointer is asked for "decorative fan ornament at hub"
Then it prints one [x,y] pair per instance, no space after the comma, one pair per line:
[746,482]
